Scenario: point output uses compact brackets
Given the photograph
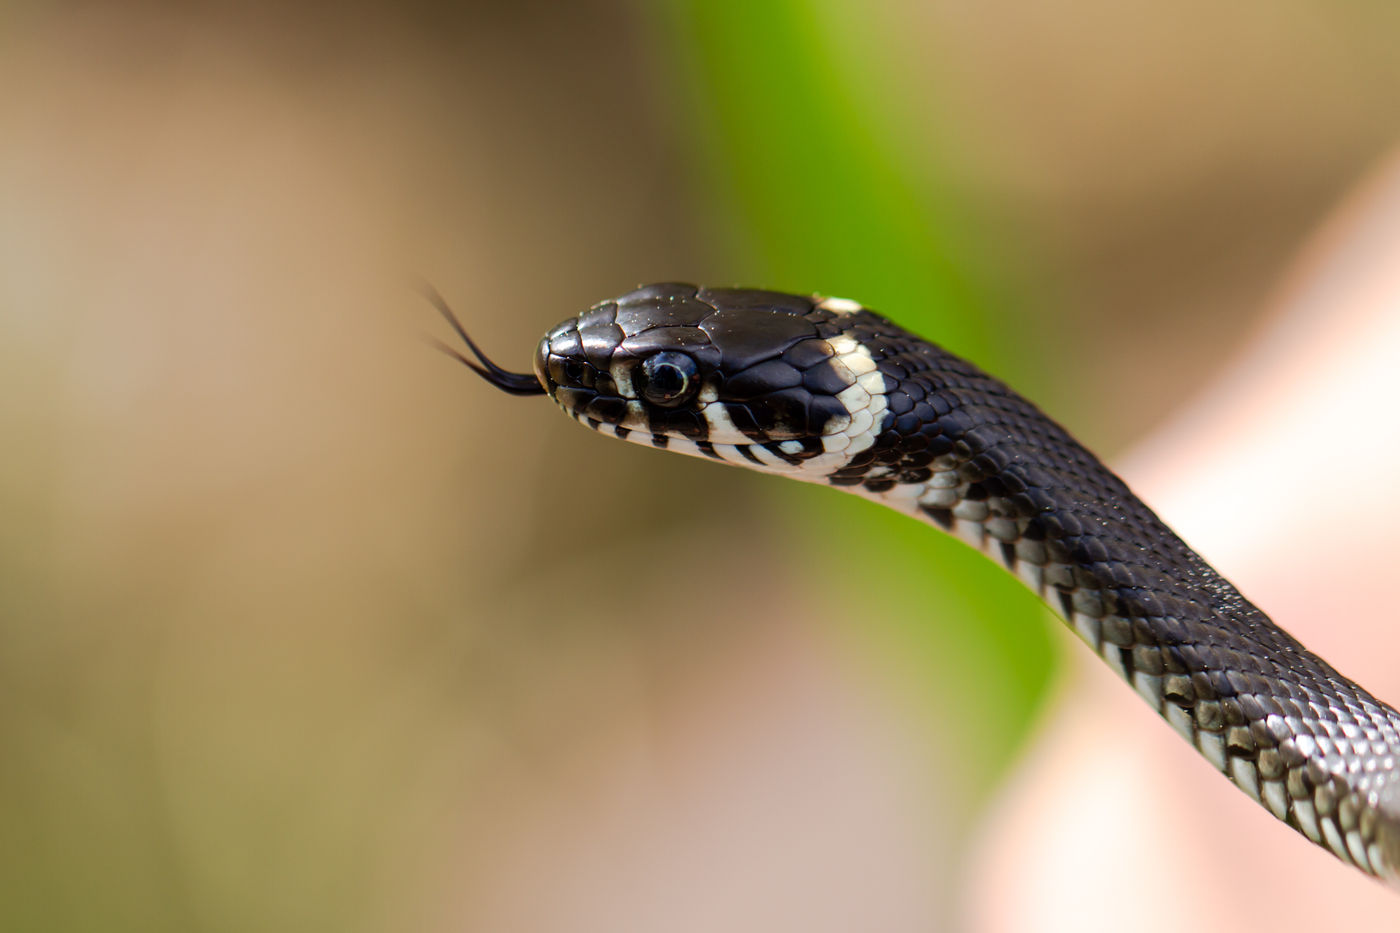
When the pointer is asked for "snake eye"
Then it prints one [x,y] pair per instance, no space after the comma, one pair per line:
[669,378]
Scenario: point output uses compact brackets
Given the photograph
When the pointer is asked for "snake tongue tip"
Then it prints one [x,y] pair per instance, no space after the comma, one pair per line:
[503,379]
[508,382]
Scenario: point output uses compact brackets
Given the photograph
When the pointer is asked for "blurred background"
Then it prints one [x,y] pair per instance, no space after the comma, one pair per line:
[302,627]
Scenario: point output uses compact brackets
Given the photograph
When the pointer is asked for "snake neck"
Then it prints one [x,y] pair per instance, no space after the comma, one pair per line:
[964,452]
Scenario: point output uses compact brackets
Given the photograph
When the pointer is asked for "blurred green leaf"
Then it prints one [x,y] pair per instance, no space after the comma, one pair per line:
[824,182]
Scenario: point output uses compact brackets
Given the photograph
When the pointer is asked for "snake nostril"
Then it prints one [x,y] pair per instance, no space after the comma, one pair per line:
[575,372]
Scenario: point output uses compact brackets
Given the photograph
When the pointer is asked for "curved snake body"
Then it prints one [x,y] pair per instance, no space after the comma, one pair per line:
[826,391]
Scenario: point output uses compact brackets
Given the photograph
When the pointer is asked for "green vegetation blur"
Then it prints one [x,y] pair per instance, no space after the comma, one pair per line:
[828,177]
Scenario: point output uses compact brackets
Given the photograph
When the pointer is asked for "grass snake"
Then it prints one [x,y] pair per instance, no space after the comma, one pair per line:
[826,391]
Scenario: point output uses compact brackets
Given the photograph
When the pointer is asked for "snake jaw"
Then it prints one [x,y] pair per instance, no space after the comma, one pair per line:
[503,379]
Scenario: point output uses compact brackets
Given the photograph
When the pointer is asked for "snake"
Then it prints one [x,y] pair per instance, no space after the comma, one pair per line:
[826,391]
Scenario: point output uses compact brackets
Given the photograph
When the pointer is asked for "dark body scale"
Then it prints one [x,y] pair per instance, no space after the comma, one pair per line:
[1312,746]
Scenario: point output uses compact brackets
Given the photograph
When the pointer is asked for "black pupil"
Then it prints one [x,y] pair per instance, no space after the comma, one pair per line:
[667,380]
[668,377]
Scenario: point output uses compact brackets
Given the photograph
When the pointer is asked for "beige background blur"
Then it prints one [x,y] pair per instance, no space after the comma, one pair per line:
[302,627]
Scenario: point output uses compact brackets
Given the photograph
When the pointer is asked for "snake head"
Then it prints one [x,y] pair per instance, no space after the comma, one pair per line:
[761,379]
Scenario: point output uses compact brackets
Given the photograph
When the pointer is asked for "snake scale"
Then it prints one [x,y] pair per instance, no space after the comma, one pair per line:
[826,391]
